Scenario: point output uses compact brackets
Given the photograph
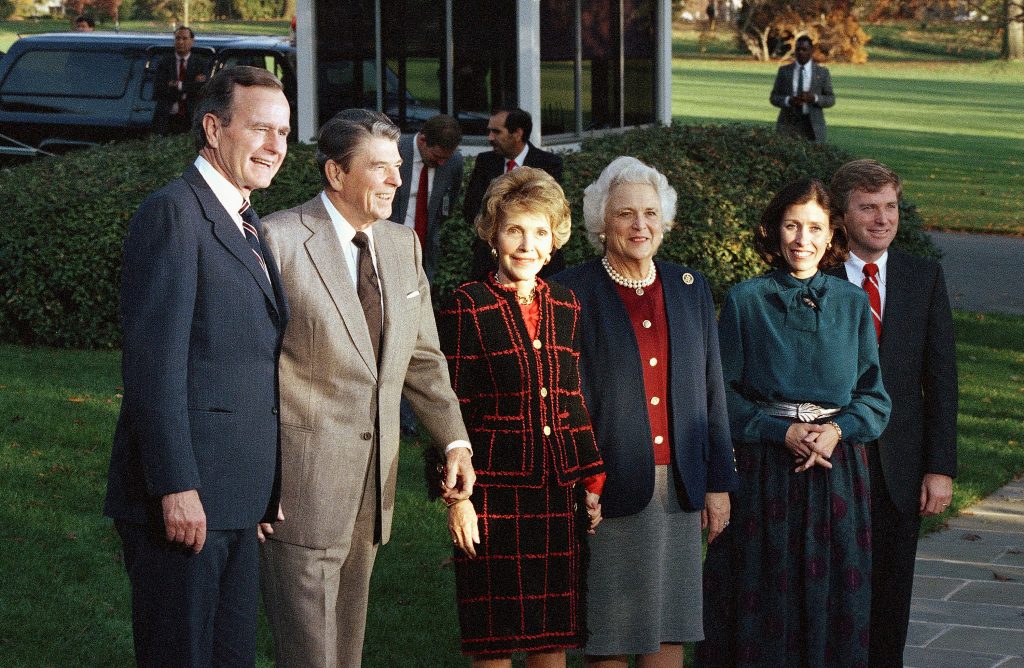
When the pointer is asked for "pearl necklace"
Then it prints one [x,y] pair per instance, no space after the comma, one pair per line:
[637,284]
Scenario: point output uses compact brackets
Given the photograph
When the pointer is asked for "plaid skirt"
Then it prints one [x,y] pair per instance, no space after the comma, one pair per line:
[523,591]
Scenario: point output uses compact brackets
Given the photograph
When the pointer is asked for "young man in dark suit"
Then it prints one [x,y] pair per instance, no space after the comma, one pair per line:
[802,90]
[508,132]
[194,467]
[434,150]
[179,79]
[914,461]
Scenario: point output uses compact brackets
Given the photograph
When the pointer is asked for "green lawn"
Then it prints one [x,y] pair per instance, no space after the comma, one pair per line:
[67,601]
[954,130]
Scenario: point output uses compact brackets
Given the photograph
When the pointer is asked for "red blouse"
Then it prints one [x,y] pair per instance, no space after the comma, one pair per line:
[647,315]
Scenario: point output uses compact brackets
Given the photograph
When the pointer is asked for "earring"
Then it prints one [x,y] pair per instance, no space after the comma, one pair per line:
[828,246]
[602,237]
[494,253]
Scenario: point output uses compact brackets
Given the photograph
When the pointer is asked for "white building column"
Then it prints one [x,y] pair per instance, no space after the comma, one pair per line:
[528,67]
[305,66]
[663,63]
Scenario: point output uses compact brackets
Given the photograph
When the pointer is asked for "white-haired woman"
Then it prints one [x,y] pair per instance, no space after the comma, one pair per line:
[652,380]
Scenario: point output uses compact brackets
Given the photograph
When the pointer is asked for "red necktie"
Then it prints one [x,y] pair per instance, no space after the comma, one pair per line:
[181,69]
[874,296]
[421,207]
[510,165]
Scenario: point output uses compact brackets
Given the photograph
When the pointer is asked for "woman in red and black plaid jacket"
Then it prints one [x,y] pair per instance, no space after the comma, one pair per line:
[511,346]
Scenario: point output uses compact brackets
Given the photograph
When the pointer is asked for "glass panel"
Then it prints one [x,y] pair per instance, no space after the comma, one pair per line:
[600,20]
[484,71]
[346,74]
[557,66]
[70,74]
[638,41]
[412,36]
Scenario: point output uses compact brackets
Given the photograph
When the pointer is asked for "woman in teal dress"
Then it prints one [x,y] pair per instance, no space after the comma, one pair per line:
[788,583]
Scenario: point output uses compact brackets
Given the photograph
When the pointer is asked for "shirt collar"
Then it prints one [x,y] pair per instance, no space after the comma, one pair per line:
[858,264]
[521,158]
[416,157]
[343,228]
[226,193]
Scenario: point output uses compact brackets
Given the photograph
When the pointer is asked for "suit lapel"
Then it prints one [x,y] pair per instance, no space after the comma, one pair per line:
[897,286]
[405,171]
[389,271]
[331,263]
[227,232]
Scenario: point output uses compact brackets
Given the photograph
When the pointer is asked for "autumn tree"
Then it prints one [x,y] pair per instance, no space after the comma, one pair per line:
[769,28]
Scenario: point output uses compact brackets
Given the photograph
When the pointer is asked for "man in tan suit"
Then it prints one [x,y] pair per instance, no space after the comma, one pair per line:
[362,334]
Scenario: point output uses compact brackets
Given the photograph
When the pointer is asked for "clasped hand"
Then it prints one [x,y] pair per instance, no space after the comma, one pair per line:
[811,444]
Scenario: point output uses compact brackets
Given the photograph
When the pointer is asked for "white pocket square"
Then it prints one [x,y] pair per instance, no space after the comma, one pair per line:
[414,293]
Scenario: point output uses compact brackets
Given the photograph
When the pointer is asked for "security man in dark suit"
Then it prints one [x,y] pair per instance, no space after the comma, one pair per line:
[914,461]
[178,81]
[195,462]
[508,132]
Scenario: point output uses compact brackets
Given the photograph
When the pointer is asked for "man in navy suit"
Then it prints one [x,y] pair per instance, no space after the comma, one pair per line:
[914,461]
[508,132]
[435,150]
[177,83]
[195,458]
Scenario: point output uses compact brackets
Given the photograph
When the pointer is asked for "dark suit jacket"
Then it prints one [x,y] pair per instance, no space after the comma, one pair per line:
[613,386]
[440,205]
[165,96]
[918,357]
[487,167]
[498,373]
[821,85]
[202,328]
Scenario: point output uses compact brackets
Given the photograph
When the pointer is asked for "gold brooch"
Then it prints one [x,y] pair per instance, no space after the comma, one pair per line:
[688,278]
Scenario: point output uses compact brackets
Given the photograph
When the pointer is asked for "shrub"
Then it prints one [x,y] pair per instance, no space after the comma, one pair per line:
[60,251]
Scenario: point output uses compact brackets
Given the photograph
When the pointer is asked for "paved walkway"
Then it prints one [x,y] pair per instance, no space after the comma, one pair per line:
[968,607]
[983,272]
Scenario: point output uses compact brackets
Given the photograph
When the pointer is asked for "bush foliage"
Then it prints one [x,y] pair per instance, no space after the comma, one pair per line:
[60,252]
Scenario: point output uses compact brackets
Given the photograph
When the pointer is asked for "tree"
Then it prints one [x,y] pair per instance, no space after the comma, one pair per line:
[769,28]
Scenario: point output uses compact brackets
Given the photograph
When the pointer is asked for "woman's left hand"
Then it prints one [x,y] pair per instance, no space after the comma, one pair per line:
[593,502]
[715,516]
[463,527]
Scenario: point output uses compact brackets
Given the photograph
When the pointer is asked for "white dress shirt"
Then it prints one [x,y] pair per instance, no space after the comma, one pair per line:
[807,82]
[855,272]
[225,192]
[521,158]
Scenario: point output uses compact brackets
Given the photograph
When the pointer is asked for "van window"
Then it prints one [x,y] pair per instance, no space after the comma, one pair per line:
[69,74]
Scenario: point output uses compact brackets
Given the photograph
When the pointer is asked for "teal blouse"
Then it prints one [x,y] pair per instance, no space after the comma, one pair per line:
[786,339]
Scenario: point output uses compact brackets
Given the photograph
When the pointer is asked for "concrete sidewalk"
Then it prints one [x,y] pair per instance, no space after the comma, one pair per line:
[968,606]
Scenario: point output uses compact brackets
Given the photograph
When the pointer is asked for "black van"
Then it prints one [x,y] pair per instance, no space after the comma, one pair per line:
[62,91]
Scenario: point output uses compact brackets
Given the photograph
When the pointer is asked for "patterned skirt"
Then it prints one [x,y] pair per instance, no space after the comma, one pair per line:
[522,592]
[788,583]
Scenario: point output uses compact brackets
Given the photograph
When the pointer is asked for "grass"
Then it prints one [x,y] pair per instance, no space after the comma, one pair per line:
[67,603]
[11,30]
[953,128]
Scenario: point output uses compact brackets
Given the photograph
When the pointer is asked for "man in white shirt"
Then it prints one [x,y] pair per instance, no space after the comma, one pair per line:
[913,462]
[431,180]
[179,79]
[194,466]
[802,89]
[361,336]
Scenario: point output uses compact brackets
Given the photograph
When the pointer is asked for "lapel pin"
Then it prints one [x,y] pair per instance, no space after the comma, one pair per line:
[688,278]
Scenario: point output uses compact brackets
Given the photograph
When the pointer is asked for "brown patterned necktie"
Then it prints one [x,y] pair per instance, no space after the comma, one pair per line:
[369,292]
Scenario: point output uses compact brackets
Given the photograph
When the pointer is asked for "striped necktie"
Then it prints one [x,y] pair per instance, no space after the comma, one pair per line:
[251,226]
[874,295]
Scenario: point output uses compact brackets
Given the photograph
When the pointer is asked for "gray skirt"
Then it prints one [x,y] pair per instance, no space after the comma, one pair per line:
[644,581]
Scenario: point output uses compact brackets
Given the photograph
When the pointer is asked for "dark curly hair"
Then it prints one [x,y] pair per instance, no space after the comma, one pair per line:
[767,237]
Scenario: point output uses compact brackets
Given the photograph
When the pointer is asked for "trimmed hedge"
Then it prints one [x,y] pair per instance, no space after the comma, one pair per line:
[60,251]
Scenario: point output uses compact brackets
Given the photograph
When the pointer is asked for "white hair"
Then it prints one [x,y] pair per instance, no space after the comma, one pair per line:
[624,169]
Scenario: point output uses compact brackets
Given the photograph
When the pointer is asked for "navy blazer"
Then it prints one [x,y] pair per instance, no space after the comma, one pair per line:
[202,330]
[613,387]
[918,358]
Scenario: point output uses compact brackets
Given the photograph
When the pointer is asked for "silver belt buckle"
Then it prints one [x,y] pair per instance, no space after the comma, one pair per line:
[808,412]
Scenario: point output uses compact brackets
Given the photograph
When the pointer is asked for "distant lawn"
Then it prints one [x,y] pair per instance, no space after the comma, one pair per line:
[65,597]
[10,31]
[954,130]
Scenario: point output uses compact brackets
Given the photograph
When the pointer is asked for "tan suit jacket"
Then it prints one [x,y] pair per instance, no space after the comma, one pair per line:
[333,399]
